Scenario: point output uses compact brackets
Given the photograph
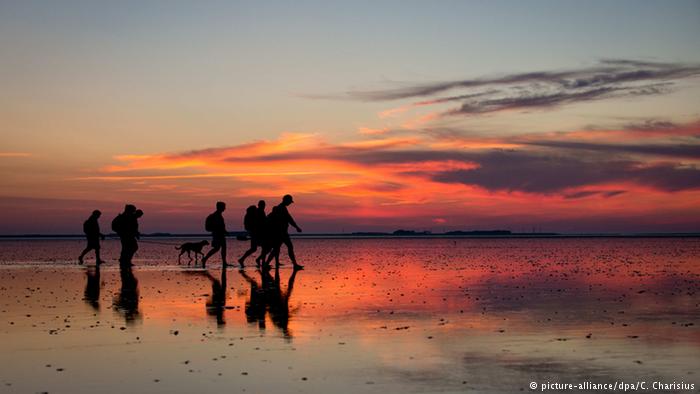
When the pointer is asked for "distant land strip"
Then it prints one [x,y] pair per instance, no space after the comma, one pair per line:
[241,235]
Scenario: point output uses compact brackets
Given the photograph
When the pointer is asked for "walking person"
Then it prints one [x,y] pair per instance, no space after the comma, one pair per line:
[280,223]
[217,227]
[91,228]
[254,222]
[127,228]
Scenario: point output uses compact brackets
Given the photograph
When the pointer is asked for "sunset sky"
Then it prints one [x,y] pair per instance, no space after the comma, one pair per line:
[549,115]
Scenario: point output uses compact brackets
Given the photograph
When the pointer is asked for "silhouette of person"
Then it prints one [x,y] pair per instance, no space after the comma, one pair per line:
[273,236]
[254,222]
[217,227]
[126,300]
[126,226]
[92,287]
[279,228]
[91,228]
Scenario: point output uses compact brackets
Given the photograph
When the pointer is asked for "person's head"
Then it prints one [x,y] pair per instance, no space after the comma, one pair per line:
[138,213]
[287,199]
[251,209]
[220,206]
[129,208]
[261,204]
[96,213]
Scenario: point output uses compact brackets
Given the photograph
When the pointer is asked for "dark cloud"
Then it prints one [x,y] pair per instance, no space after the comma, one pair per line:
[513,170]
[651,125]
[548,100]
[687,151]
[590,193]
[549,174]
[605,74]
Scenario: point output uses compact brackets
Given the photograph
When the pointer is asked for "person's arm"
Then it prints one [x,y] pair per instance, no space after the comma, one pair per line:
[223,227]
[292,222]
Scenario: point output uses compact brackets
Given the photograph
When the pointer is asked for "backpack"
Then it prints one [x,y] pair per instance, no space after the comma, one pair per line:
[209,223]
[249,218]
[118,224]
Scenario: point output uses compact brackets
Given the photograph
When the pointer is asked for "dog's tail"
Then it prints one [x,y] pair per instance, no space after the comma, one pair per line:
[178,248]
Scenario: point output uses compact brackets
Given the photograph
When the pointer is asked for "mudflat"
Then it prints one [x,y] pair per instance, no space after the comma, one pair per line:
[366,315]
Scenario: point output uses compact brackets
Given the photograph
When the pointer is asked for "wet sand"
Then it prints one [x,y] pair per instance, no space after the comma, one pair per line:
[377,315]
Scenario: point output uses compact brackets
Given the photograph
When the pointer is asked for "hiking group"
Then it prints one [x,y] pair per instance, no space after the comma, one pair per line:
[267,232]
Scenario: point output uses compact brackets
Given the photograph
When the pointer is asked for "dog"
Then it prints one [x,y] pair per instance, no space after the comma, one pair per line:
[188,247]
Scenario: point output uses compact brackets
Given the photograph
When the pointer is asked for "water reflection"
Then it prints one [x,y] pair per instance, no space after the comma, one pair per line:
[126,301]
[216,303]
[267,297]
[92,287]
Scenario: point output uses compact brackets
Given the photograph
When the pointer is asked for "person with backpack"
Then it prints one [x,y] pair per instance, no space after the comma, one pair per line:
[91,228]
[217,227]
[254,221]
[127,228]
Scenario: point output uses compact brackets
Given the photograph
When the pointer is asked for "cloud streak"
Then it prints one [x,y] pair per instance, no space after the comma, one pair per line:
[616,78]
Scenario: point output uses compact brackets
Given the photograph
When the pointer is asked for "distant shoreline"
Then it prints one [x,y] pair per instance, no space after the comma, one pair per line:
[473,235]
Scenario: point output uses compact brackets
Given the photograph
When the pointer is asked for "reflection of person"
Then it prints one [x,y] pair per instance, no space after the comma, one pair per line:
[255,306]
[279,301]
[92,287]
[254,222]
[216,303]
[126,301]
[268,297]
[217,227]
[91,228]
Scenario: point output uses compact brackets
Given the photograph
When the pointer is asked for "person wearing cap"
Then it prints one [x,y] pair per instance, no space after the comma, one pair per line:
[91,228]
[286,220]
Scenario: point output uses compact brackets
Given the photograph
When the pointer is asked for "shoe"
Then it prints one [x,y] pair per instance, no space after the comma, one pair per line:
[80,261]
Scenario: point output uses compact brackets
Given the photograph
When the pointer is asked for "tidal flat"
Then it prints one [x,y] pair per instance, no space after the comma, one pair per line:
[365,315]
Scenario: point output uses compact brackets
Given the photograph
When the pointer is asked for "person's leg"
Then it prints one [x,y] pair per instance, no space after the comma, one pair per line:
[215,248]
[124,251]
[264,250]
[274,251]
[290,248]
[85,251]
[129,250]
[134,249]
[98,260]
[223,252]
[251,250]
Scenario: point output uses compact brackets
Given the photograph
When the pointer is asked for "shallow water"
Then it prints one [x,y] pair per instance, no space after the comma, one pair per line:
[366,315]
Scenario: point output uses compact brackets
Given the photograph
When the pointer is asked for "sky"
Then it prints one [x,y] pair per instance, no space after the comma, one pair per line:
[555,116]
